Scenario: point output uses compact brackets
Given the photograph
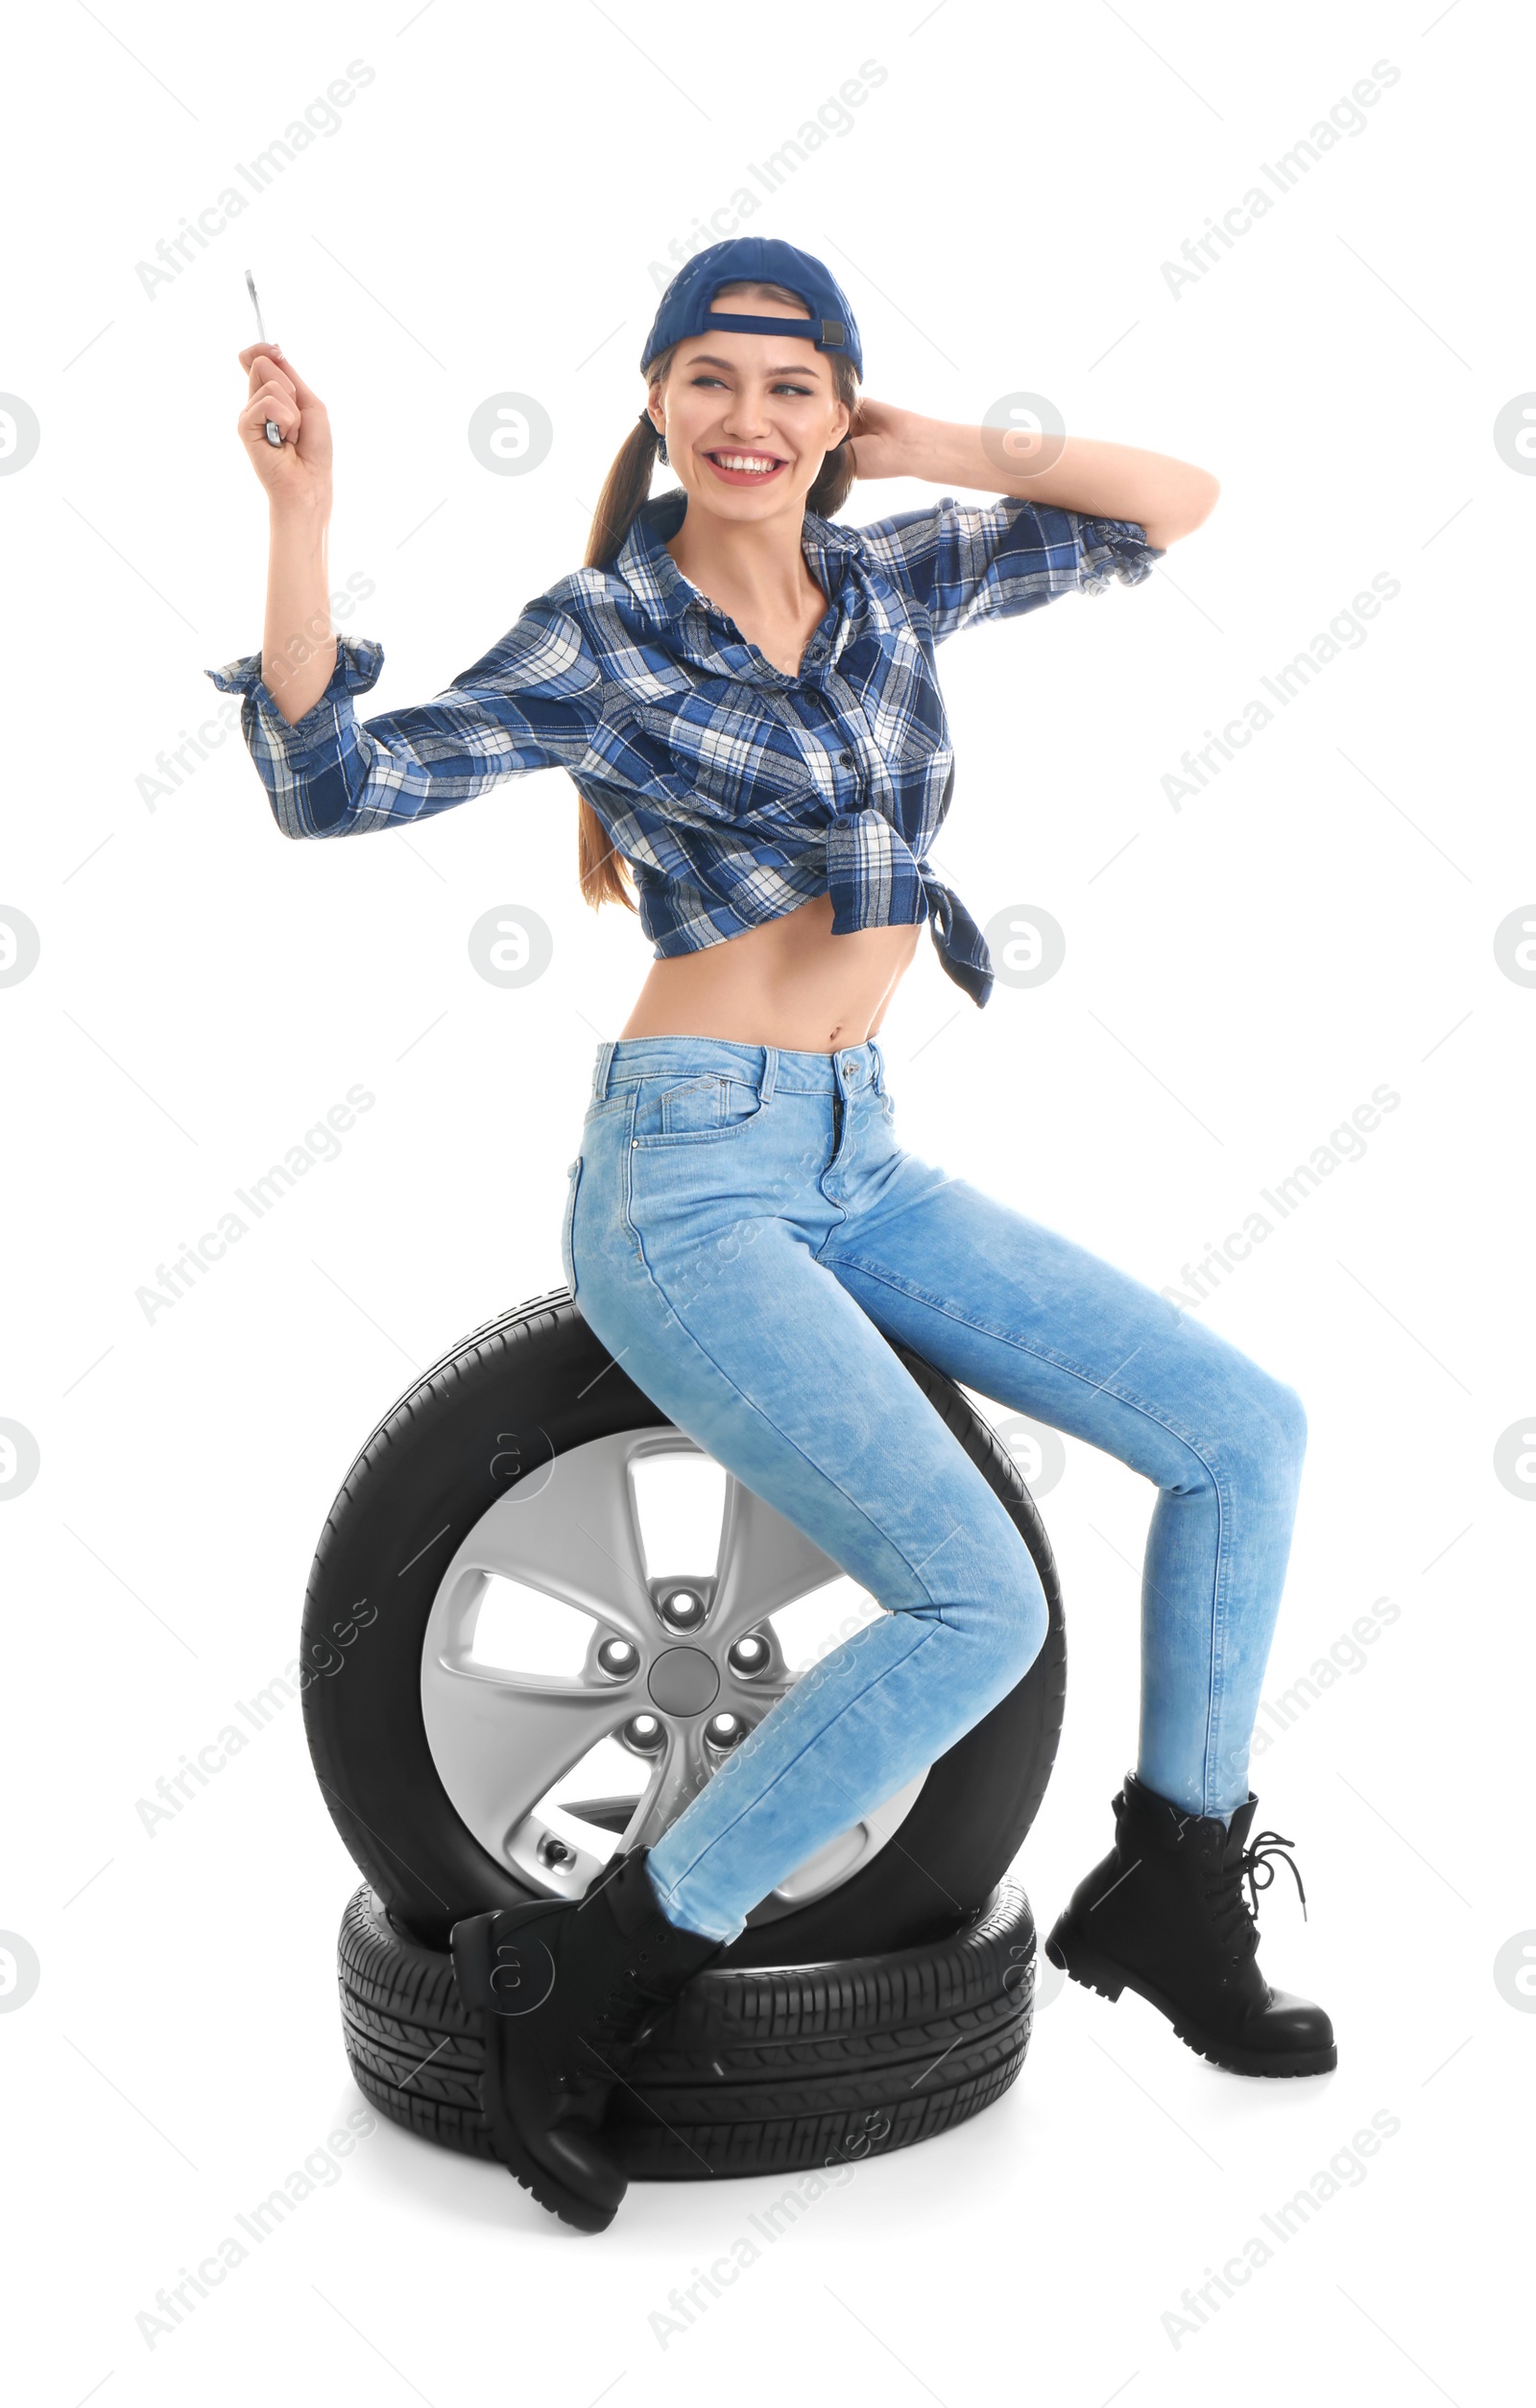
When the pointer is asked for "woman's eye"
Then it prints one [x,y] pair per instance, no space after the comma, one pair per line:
[804,392]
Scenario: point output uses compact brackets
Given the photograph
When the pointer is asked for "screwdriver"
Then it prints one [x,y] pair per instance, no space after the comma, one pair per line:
[271,433]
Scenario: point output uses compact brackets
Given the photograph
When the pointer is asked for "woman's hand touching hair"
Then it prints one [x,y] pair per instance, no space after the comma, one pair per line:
[880,439]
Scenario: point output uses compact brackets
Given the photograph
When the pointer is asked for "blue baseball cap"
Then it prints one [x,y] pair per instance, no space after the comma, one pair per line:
[757,259]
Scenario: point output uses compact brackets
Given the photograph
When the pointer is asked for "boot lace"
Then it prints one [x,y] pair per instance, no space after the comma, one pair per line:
[1236,1917]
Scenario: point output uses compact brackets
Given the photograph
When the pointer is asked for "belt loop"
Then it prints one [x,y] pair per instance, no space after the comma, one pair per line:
[770,1072]
[605,1055]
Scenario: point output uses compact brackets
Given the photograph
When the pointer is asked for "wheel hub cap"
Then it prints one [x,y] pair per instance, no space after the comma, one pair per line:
[683,1682]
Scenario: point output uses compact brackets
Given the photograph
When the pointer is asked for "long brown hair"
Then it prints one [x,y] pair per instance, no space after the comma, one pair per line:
[605,877]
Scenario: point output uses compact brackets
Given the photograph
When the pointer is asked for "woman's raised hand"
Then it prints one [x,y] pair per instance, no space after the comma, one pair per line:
[298,648]
[297,473]
[882,438]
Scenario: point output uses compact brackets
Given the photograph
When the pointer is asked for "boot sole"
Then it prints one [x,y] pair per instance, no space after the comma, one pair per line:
[542,2186]
[549,2192]
[1097,1973]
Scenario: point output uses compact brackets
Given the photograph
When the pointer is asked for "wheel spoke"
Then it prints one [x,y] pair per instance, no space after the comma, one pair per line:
[841,1856]
[571,1531]
[676,1783]
[508,1740]
[765,1562]
[758,1697]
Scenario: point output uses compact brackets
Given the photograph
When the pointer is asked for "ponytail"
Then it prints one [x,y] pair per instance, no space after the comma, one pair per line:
[605,877]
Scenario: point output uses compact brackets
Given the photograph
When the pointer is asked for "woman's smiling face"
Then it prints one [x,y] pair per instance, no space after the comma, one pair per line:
[749,418]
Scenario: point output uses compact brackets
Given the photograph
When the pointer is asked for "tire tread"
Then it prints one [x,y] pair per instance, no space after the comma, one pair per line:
[754,2071]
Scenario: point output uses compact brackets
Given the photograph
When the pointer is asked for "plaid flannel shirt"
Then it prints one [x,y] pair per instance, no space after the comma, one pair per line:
[733,790]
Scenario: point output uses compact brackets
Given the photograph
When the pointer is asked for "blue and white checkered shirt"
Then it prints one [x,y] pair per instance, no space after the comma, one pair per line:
[734,790]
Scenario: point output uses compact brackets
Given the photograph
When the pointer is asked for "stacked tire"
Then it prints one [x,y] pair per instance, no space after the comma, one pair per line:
[886,2010]
[752,2072]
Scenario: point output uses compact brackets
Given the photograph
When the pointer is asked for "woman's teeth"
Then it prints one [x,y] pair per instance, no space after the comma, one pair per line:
[741,460]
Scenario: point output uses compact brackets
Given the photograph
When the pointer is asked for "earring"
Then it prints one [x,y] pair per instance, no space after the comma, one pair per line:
[646,419]
[661,451]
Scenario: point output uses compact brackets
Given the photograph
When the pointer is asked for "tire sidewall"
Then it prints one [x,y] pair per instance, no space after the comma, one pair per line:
[500,1408]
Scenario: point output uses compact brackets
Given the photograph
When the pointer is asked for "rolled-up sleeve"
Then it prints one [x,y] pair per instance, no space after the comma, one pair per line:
[533,701]
[963,562]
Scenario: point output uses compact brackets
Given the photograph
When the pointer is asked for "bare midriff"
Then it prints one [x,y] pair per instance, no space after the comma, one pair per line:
[789,983]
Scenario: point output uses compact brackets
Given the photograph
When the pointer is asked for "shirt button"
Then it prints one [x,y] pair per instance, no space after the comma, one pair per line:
[847,759]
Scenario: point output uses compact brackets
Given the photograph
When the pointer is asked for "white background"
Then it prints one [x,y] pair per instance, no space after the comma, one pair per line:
[1243,973]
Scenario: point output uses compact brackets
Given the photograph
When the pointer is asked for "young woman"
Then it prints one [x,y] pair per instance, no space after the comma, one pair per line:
[745,694]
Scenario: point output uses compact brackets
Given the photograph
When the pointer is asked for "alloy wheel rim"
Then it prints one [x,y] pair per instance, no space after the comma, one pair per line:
[680,1666]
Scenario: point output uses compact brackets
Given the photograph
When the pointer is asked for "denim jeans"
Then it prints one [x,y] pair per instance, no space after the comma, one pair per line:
[743,1224]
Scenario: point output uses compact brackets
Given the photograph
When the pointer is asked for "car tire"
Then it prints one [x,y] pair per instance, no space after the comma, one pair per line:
[503,1404]
[750,2072]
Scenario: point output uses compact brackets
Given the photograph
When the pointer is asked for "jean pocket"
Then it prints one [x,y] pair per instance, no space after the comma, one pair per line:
[567,1259]
[707,1108]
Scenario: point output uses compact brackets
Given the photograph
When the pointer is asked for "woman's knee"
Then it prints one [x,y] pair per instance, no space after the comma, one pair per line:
[1266,1437]
[1292,1417]
[1277,1418]
[1009,1619]
[1030,1625]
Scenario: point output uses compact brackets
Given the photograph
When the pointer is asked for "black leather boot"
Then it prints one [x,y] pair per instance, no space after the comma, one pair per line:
[1164,1914]
[564,1989]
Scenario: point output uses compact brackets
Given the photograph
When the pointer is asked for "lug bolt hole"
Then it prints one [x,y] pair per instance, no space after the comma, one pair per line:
[749,1654]
[725,1730]
[684,1609]
[644,1734]
[617,1658]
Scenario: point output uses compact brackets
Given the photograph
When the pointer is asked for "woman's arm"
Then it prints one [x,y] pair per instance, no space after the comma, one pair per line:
[1167,498]
[533,701]
[298,645]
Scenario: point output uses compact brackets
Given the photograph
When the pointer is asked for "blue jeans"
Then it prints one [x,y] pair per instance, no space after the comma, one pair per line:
[742,1227]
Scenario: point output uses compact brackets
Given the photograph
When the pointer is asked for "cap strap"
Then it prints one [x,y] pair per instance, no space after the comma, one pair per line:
[829,334]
